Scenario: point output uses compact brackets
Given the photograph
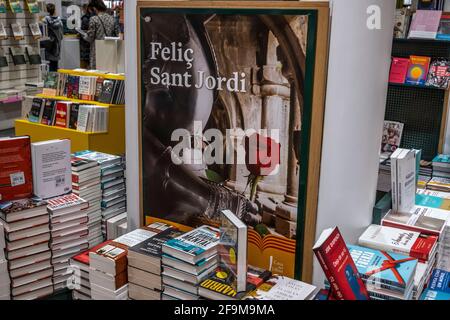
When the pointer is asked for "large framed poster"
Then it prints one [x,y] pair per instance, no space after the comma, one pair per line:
[231,101]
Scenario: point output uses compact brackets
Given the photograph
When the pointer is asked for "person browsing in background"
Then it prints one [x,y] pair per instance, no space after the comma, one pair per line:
[55,34]
[101,25]
[85,45]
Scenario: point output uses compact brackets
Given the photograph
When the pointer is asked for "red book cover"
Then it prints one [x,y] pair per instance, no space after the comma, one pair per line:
[84,256]
[399,69]
[337,263]
[423,247]
[16,176]
[62,114]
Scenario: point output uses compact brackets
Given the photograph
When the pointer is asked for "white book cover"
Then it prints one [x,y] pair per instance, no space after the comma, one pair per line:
[388,239]
[284,288]
[52,171]
[404,179]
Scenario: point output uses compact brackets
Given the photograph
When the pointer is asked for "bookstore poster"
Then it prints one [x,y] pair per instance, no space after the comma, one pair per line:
[222,96]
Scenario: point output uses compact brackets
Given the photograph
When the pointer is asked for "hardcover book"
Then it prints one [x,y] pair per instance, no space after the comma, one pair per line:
[51,168]
[16,210]
[340,270]
[233,249]
[401,241]
[16,178]
[418,70]
[389,268]
[195,245]
[68,203]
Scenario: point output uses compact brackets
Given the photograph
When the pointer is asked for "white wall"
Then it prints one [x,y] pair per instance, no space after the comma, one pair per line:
[356,96]
[131,115]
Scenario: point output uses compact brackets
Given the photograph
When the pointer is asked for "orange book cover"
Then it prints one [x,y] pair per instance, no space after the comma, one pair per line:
[62,114]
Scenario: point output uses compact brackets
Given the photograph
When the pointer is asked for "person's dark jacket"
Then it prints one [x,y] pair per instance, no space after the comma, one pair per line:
[55,31]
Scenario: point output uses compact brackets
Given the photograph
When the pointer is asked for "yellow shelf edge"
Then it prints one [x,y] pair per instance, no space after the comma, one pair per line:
[44,96]
[46,127]
[93,74]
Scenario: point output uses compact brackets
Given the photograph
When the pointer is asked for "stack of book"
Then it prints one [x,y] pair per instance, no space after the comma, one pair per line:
[144,264]
[410,243]
[5,293]
[403,177]
[115,226]
[439,184]
[441,166]
[186,259]
[86,184]
[79,267]
[108,266]
[387,275]
[27,235]
[69,234]
[112,184]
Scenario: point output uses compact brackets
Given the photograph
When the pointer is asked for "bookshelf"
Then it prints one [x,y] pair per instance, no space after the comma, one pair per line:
[112,141]
[422,109]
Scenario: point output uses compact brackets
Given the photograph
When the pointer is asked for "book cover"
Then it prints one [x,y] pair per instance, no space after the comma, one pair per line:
[103,159]
[37,107]
[3,34]
[18,55]
[33,55]
[17,31]
[194,243]
[392,136]
[384,267]
[444,27]
[418,70]
[425,24]
[67,201]
[50,84]
[399,69]
[48,112]
[83,257]
[434,295]
[440,281]
[16,178]
[432,201]
[283,288]
[62,114]
[401,241]
[439,73]
[403,179]
[51,168]
[11,211]
[153,246]
[232,249]
[73,119]
[420,219]
[402,18]
[107,91]
[339,267]
[14,6]
[35,30]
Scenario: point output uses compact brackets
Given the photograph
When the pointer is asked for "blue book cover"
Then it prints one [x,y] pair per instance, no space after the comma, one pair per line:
[195,242]
[442,158]
[440,281]
[434,295]
[426,200]
[384,267]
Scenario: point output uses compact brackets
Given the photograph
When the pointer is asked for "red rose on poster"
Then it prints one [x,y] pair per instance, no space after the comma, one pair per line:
[262,154]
